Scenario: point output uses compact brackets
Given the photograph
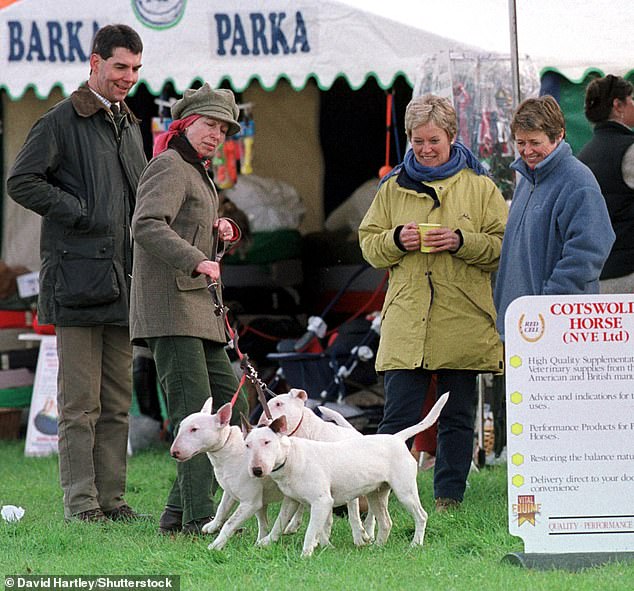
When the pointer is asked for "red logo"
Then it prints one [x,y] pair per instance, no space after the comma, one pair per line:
[526,509]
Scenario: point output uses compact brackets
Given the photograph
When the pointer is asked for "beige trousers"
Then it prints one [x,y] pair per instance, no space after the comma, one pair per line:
[94,393]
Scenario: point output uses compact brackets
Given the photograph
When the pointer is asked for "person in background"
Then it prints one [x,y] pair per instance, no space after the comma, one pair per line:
[171,308]
[438,316]
[559,233]
[79,170]
[145,385]
[610,156]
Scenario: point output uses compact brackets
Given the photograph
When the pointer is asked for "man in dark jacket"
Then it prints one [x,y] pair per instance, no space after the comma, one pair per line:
[79,170]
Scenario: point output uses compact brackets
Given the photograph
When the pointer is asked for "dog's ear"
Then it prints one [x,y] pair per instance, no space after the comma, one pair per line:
[208,405]
[297,393]
[246,427]
[224,414]
[279,425]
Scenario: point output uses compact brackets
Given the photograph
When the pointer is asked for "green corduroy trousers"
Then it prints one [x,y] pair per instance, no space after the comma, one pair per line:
[190,370]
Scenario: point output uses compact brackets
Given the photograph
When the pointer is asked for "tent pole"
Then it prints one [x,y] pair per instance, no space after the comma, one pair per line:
[515,71]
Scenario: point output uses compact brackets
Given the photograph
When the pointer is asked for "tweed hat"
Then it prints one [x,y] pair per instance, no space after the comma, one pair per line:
[219,104]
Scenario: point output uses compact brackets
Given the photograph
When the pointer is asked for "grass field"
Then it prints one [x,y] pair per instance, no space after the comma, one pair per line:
[463,551]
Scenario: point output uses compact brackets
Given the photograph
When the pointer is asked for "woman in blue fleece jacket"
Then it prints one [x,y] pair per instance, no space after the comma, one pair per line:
[559,233]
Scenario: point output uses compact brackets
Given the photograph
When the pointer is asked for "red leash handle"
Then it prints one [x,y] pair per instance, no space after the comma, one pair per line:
[248,371]
[388,126]
[233,338]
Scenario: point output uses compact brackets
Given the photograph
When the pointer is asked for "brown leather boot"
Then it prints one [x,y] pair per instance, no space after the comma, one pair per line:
[125,513]
[445,504]
[92,516]
[171,521]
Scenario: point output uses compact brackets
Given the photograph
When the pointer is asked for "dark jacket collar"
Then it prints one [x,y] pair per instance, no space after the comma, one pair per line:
[186,151]
[407,182]
[87,104]
[613,126]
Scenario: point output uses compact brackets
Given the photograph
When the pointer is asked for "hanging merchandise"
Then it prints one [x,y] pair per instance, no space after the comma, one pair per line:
[485,139]
[503,153]
[161,123]
[159,126]
[397,143]
[463,104]
[236,153]
[479,88]
[386,168]
[225,164]
[219,166]
[504,102]
[247,137]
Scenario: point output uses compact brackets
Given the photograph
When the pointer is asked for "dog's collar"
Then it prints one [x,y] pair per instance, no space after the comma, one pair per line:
[281,465]
[220,446]
[297,426]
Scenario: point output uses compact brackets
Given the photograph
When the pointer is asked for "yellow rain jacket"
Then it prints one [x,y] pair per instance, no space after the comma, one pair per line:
[438,309]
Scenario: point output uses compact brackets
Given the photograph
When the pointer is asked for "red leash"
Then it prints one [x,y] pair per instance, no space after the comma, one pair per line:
[248,371]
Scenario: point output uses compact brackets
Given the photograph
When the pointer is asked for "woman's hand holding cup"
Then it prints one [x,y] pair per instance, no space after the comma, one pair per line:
[410,236]
[436,238]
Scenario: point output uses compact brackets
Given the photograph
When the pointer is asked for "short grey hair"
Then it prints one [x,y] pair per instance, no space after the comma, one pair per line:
[430,108]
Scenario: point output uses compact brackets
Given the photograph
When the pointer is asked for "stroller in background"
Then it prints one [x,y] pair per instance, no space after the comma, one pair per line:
[336,368]
[340,375]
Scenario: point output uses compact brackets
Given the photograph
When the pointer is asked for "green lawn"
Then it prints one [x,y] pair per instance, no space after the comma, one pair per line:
[463,551]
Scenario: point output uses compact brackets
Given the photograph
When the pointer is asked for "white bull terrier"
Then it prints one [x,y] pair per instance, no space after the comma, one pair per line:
[224,445]
[323,474]
[303,422]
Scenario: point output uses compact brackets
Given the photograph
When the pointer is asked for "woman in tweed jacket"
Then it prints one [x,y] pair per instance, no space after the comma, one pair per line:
[171,309]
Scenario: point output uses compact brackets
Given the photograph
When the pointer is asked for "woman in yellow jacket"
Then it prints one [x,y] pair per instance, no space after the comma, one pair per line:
[438,317]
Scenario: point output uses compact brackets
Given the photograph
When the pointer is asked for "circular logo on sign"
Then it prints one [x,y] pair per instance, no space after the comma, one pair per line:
[159,14]
[531,329]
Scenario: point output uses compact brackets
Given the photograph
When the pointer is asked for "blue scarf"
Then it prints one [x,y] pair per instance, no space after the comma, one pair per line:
[459,157]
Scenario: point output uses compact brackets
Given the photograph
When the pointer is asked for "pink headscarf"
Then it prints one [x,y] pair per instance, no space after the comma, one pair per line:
[176,127]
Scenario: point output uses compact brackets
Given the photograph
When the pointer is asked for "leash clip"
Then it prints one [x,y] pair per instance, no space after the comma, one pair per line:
[212,287]
[252,375]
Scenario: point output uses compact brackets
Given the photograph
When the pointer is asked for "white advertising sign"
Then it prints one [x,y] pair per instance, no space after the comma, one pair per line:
[41,432]
[570,422]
